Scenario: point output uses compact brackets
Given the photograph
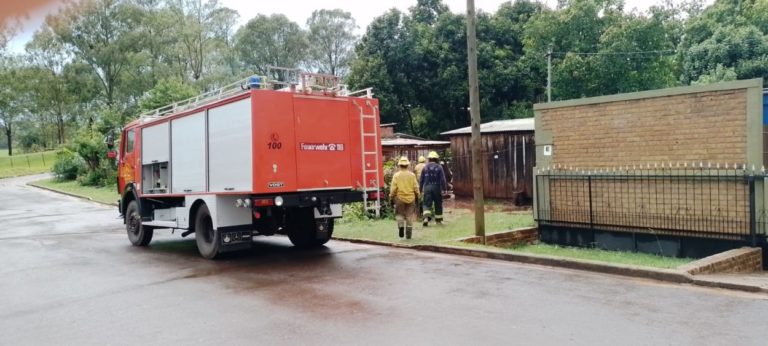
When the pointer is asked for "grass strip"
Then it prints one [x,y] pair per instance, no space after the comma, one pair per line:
[106,194]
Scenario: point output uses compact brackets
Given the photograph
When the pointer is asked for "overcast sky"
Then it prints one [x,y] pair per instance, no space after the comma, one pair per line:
[299,10]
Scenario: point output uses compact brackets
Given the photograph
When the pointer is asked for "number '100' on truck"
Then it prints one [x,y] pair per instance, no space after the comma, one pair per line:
[257,157]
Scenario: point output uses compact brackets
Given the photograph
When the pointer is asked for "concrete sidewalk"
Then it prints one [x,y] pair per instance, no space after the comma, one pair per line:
[755,282]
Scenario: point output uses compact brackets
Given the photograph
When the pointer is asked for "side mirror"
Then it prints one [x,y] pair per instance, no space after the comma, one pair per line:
[110,141]
[112,154]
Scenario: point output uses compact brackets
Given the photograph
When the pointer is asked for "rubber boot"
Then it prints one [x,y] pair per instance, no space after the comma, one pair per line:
[439,221]
[408,232]
[400,229]
[426,222]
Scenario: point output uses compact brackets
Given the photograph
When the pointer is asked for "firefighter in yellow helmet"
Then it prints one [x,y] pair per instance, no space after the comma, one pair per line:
[418,169]
[420,166]
[432,183]
[404,192]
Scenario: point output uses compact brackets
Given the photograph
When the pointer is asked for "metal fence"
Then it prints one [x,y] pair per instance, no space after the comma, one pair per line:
[719,202]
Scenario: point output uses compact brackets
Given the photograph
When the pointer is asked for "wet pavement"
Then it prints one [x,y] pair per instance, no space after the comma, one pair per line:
[69,276]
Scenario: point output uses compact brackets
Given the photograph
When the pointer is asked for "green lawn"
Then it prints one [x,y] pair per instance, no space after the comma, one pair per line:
[617,257]
[460,224]
[106,194]
[26,164]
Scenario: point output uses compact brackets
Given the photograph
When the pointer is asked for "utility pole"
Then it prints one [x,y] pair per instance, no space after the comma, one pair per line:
[474,111]
[549,74]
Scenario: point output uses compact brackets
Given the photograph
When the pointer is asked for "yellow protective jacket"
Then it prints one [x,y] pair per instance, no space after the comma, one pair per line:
[404,186]
[419,168]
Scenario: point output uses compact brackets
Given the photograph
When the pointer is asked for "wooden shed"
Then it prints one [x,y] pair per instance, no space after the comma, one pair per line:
[508,159]
[400,144]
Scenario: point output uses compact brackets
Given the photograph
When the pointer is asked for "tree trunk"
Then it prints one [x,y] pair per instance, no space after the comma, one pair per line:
[60,124]
[8,134]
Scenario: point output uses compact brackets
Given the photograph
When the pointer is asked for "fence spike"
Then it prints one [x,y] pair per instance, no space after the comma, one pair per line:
[753,168]
[718,165]
[685,164]
[763,169]
[709,164]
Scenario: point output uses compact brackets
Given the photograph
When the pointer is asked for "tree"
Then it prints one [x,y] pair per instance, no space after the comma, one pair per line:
[13,97]
[53,97]
[383,63]
[201,27]
[331,41]
[270,41]
[101,34]
[600,50]
[166,92]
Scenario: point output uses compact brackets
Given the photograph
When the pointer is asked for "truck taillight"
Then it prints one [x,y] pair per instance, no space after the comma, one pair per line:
[265,202]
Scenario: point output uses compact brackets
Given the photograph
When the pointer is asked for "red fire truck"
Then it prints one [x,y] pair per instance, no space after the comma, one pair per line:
[257,157]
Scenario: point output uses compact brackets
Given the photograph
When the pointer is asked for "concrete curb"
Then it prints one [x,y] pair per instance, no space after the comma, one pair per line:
[666,275]
[32,184]
[728,285]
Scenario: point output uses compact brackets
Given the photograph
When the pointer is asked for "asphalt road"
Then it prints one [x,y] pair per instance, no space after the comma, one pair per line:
[69,276]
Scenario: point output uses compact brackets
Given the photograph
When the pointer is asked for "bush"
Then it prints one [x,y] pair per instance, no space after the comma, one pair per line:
[357,212]
[85,159]
[68,165]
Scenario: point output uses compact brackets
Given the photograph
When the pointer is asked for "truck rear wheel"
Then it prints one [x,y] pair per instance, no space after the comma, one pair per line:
[138,234]
[207,238]
[304,229]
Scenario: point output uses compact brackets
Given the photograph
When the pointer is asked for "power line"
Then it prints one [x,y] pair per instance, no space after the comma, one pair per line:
[618,53]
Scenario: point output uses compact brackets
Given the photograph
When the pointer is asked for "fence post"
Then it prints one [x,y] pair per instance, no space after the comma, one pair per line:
[591,216]
[28,164]
[537,197]
[752,213]
[43,156]
[11,161]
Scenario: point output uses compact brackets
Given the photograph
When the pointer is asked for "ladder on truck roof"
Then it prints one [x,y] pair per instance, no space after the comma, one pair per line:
[372,185]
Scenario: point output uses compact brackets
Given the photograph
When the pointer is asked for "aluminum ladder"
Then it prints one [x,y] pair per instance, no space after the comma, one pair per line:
[366,153]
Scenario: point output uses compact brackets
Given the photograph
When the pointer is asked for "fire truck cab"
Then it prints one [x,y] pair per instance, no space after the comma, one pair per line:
[256,157]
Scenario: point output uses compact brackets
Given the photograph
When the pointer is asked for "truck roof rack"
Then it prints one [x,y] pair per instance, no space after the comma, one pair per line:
[285,79]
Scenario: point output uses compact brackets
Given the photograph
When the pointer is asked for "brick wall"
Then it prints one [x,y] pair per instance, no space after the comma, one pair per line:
[644,133]
[743,260]
[708,127]
[512,238]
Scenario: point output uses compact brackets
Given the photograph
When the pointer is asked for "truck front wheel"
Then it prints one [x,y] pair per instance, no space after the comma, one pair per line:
[207,238]
[305,231]
[138,234]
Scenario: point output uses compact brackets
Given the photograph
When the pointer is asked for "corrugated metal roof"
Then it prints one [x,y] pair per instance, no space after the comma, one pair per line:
[525,124]
[407,142]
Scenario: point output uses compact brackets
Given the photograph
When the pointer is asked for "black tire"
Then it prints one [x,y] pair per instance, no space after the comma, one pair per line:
[138,234]
[208,242]
[302,228]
